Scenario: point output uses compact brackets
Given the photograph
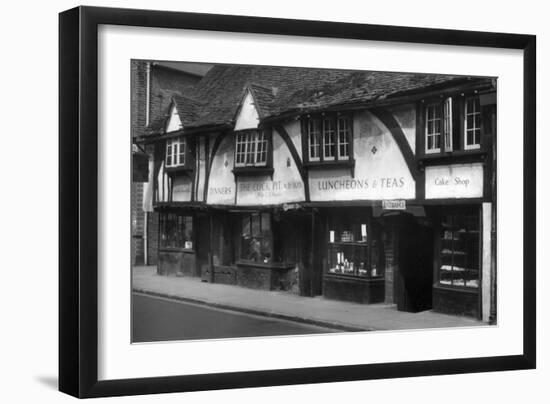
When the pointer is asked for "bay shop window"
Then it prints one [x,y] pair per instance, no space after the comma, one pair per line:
[327,138]
[256,237]
[176,231]
[355,261]
[354,246]
[266,238]
[459,248]
[452,124]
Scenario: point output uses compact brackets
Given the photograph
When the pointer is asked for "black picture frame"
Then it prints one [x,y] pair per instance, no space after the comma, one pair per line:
[78,195]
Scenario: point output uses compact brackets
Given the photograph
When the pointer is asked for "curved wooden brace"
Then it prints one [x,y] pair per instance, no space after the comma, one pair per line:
[387,118]
[286,138]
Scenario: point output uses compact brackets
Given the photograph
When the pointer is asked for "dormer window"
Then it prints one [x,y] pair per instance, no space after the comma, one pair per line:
[327,138]
[251,148]
[175,152]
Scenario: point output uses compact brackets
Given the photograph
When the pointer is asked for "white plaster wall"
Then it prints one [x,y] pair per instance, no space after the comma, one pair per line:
[285,187]
[383,174]
[247,117]
[405,115]
[181,189]
[175,122]
[162,183]
[294,130]
[221,184]
[201,168]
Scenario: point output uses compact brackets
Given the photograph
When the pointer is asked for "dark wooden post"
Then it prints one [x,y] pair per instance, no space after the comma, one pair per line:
[210,245]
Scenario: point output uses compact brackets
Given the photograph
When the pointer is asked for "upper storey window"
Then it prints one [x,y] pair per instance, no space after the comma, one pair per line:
[452,124]
[472,123]
[251,148]
[175,152]
[327,137]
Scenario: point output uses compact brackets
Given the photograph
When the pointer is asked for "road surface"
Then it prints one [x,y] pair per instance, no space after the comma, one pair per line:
[159,319]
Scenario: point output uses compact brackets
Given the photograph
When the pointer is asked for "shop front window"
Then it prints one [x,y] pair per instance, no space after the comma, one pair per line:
[176,231]
[256,237]
[355,246]
[460,246]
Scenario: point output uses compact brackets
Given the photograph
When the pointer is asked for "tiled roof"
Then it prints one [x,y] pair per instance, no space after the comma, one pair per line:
[277,90]
[188,111]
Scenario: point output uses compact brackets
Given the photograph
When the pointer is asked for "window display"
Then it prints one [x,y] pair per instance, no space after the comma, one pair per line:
[176,231]
[459,253]
[256,237]
[354,247]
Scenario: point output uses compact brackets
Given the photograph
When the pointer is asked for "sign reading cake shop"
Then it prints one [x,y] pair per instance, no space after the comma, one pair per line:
[454,181]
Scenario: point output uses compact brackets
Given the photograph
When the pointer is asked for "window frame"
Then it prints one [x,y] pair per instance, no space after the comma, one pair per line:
[260,215]
[247,144]
[453,125]
[474,146]
[323,137]
[170,220]
[454,229]
[366,244]
[170,145]
[438,108]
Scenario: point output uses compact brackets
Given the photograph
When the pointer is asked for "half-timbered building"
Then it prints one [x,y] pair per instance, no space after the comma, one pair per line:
[362,186]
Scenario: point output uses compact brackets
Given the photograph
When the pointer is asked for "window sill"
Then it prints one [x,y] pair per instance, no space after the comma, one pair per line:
[177,249]
[186,168]
[270,265]
[358,278]
[451,288]
[458,156]
[332,164]
[253,171]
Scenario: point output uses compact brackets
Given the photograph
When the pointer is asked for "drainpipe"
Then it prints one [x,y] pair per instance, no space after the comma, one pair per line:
[145,240]
[147,91]
[147,111]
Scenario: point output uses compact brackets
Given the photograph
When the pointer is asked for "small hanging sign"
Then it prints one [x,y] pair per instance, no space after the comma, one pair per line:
[394,204]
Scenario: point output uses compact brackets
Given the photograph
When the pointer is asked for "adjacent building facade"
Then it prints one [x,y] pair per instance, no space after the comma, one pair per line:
[362,186]
[153,86]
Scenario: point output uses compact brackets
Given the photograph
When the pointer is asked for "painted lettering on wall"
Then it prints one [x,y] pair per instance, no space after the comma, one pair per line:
[375,187]
[454,181]
[181,190]
[252,191]
[362,183]
[220,190]
[457,181]
[269,188]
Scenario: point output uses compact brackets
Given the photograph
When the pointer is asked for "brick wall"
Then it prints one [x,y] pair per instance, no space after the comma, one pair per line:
[164,82]
[153,237]
[137,224]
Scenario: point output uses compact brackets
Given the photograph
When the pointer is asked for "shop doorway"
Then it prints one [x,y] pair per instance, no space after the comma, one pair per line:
[414,278]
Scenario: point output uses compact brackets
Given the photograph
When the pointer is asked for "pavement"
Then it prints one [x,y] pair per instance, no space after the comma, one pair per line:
[318,310]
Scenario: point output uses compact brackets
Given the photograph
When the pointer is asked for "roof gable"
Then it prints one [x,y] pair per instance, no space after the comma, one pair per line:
[247,114]
[174,121]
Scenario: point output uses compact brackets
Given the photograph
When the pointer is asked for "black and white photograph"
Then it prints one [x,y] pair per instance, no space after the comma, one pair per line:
[273,201]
